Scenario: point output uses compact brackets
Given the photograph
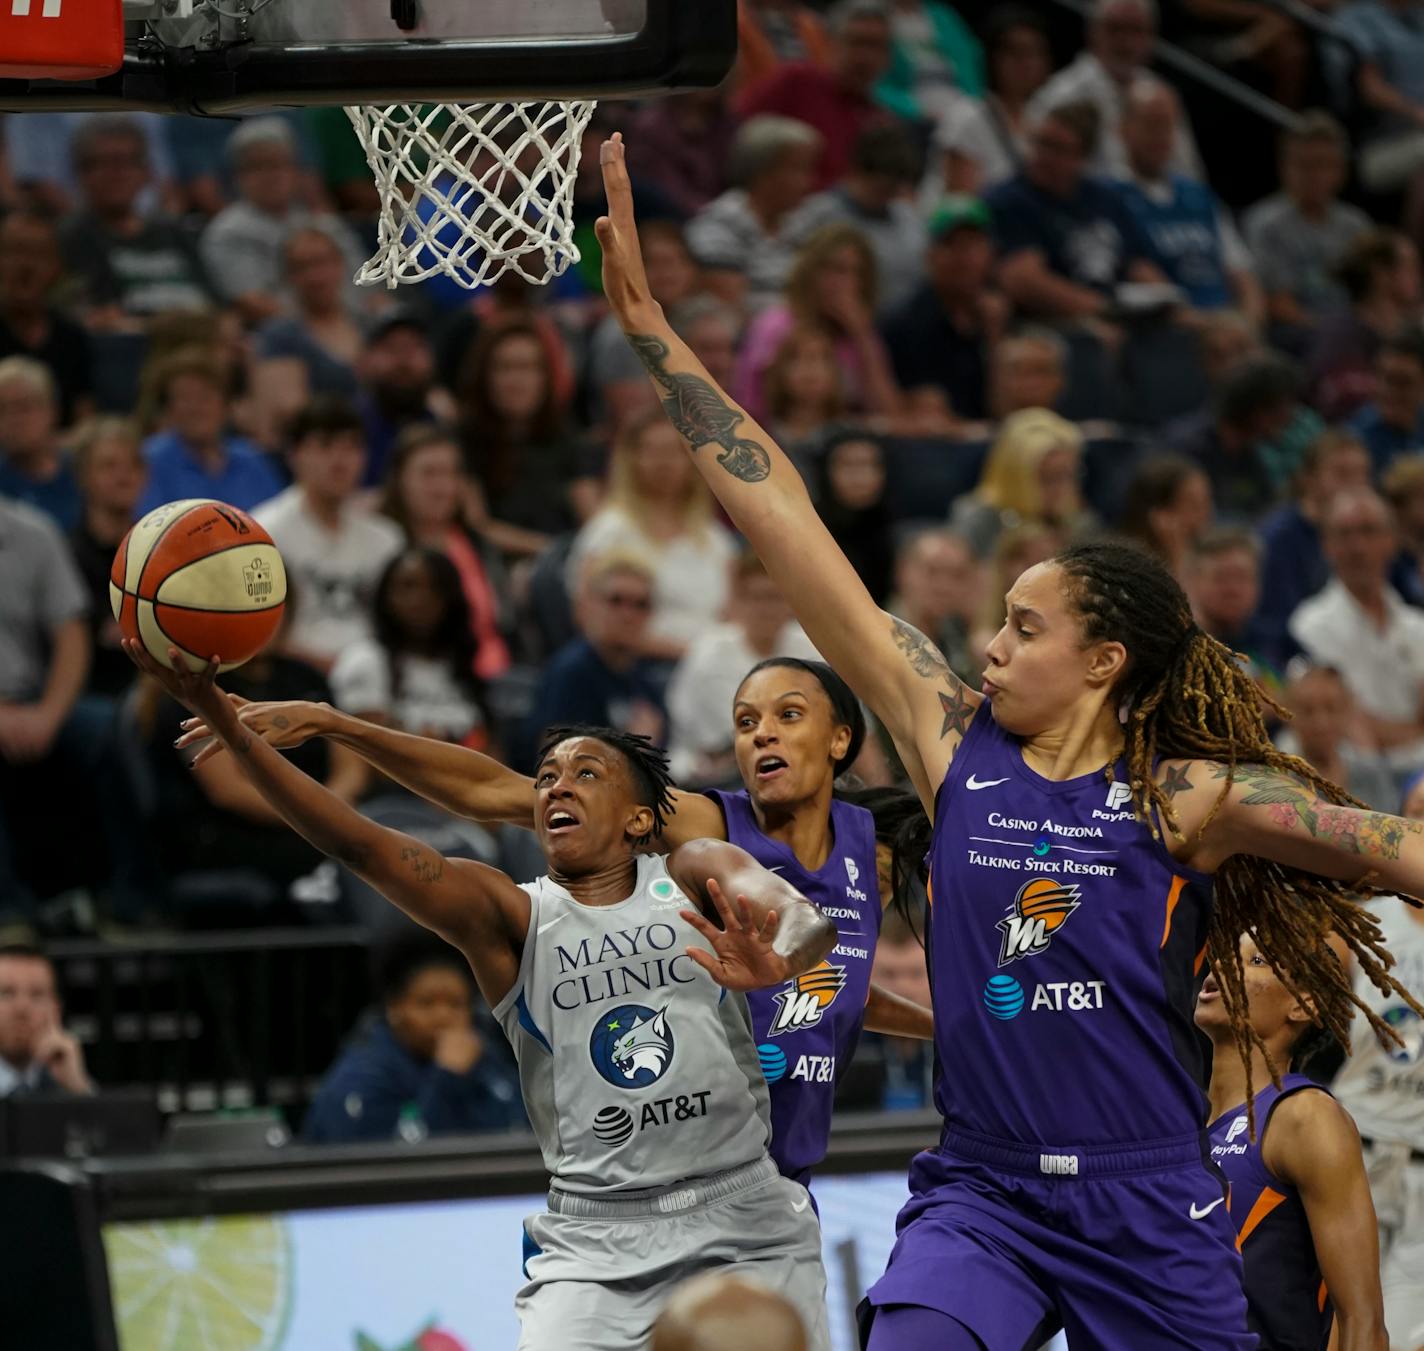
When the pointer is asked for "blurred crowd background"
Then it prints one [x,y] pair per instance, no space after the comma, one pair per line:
[998,277]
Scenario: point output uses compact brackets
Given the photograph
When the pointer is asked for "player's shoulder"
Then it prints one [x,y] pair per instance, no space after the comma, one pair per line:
[1308,1131]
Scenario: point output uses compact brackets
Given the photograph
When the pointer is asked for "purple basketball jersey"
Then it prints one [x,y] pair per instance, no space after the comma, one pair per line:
[1066,945]
[807,1029]
[1287,1303]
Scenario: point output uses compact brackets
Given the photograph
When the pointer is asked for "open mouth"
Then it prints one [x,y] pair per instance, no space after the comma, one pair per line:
[769,766]
[1209,989]
[558,821]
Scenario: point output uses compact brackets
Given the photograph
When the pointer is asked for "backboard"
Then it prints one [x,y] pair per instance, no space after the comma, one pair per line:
[226,56]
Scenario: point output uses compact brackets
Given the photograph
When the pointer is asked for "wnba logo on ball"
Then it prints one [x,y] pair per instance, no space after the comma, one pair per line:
[257,578]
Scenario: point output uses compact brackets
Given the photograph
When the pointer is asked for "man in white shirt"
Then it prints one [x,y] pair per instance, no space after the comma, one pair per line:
[36,1054]
[705,682]
[1120,37]
[1360,625]
[334,551]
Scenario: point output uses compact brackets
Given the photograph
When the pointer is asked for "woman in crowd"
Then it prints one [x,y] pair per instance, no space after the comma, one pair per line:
[423,495]
[849,478]
[659,508]
[803,389]
[1166,508]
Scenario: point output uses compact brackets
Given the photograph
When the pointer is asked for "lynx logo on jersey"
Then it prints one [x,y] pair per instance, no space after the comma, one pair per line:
[805,1000]
[632,1046]
[1040,909]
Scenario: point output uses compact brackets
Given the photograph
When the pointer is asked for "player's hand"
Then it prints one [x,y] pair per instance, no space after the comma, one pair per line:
[197,691]
[282,724]
[625,283]
[60,1053]
[741,956]
[458,1049]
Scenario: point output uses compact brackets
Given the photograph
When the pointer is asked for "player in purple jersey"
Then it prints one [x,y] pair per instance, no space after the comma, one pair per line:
[796,726]
[1107,801]
[1300,1198]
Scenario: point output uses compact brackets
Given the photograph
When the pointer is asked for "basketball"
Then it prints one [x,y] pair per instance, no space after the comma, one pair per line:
[200,576]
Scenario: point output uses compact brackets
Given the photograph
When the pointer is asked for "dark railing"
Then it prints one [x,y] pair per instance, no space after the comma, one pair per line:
[216,1020]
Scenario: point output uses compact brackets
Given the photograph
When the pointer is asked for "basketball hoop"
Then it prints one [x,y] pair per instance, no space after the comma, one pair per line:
[470,191]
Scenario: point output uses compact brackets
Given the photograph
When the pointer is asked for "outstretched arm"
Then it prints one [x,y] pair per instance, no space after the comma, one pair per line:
[454,778]
[895,1016]
[893,667]
[474,907]
[1312,1143]
[770,932]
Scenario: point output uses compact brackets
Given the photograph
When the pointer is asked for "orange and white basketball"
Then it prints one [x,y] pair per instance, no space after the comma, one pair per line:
[200,576]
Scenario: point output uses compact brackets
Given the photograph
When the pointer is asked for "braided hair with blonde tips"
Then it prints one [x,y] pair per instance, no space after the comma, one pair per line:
[1185,696]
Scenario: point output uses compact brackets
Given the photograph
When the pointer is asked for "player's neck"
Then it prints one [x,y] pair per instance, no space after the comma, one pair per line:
[1228,1073]
[803,827]
[607,886]
[1086,741]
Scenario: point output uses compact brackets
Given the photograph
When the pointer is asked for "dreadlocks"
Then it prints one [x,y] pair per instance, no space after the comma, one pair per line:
[647,763]
[1184,696]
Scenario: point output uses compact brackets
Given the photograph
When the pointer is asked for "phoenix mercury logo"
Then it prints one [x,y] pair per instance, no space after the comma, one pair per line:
[1038,911]
[805,1000]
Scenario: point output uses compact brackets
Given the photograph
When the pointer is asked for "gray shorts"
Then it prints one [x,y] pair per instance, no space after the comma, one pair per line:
[601,1270]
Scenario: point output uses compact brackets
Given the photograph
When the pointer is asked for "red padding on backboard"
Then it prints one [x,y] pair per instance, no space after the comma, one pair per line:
[60,39]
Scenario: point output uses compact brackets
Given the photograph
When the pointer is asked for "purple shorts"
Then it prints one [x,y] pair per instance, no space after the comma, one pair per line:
[1125,1249]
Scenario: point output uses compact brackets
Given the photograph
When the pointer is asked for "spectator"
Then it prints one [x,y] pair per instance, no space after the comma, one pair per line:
[398,388]
[1392,423]
[658,507]
[1223,582]
[1404,491]
[1319,732]
[1065,240]
[33,467]
[57,747]
[242,245]
[722,1311]
[1359,625]
[423,496]
[937,585]
[133,263]
[759,624]
[195,455]
[802,388]
[1228,338]
[900,968]
[979,143]
[416,671]
[334,549]
[30,325]
[426,1066]
[1120,36]
[601,678]
[1166,508]
[530,481]
[1299,235]
[1029,370]
[1032,474]
[835,99]
[1193,241]
[1255,404]
[942,336]
[934,55]
[617,380]
[315,349]
[740,238]
[109,468]
[872,198]
[36,1054]
[832,285]
[1380,274]
[771,33]
[684,142]
[849,478]
[711,328]
[1386,50]
[1295,567]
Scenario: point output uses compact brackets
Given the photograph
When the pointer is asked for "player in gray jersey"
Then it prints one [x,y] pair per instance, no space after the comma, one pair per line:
[623,1001]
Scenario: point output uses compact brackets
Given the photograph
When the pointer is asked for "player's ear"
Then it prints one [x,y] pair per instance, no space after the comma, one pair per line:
[1105,663]
[640,822]
[840,742]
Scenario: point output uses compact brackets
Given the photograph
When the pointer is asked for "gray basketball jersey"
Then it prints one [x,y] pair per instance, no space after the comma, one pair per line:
[638,1069]
[1383,1087]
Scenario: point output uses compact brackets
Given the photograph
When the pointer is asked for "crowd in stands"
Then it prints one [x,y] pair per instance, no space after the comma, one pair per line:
[986,282]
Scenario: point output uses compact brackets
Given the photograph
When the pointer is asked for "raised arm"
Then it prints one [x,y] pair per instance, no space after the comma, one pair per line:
[894,668]
[1312,1143]
[474,907]
[770,932]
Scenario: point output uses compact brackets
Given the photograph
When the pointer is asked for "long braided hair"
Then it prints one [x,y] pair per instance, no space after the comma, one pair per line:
[1185,696]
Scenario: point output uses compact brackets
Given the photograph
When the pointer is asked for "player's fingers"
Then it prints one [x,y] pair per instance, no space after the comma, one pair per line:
[769,925]
[702,924]
[730,921]
[213,748]
[708,963]
[616,187]
[195,730]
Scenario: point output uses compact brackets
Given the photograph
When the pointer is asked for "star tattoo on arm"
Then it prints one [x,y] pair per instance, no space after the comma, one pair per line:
[958,711]
[1175,782]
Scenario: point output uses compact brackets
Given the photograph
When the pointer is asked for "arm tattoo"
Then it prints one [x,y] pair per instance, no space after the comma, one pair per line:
[1293,804]
[1175,782]
[280,722]
[923,656]
[700,413]
[958,711]
[425,863]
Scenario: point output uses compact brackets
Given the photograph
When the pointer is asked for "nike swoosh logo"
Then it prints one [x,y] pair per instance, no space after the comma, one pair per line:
[974,785]
[551,923]
[1201,1212]
[799,1206]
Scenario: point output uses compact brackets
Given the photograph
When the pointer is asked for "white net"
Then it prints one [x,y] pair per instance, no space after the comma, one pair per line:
[472,190]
